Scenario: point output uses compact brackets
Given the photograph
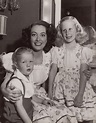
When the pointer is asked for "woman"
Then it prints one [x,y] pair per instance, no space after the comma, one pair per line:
[40,37]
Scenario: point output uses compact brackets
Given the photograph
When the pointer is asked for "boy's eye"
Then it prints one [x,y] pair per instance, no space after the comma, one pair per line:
[31,61]
[23,61]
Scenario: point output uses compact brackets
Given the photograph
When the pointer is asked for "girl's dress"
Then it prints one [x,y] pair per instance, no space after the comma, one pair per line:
[54,114]
[66,84]
[20,82]
[57,113]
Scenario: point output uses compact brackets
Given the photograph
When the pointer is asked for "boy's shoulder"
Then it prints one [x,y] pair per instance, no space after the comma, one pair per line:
[15,82]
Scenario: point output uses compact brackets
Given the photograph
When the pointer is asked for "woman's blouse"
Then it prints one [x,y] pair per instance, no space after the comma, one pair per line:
[41,72]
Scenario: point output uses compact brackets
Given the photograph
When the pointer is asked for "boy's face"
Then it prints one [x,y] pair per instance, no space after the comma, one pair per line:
[25,63]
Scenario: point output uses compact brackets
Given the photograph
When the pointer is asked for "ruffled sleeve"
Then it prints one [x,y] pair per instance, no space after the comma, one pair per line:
[7,61]
[87,55]
[54,55]
[2,72]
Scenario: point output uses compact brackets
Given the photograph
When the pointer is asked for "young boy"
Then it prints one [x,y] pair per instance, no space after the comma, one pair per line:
[22,110]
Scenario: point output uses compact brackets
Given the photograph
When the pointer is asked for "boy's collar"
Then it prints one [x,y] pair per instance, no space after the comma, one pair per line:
[20,75]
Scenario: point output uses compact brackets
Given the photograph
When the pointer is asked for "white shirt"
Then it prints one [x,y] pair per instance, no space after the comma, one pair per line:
[26,86]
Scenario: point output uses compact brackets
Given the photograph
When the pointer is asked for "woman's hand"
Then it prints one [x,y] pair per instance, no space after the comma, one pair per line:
[78,100]
[12,94]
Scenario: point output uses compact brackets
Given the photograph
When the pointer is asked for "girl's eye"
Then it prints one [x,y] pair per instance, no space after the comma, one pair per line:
[70,29]
[64,31]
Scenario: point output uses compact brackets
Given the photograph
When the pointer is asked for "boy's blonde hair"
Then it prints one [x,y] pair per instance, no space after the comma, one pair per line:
[19,51]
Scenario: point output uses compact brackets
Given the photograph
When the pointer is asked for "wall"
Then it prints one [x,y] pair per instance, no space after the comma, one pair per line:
[28,13]
[83,10]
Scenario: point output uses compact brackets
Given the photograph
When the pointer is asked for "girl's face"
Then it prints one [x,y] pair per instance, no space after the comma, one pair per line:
[68,29]
[25,63]
[38,37]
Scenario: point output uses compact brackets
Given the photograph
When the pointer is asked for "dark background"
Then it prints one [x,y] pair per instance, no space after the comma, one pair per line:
[83,10]
[21,18]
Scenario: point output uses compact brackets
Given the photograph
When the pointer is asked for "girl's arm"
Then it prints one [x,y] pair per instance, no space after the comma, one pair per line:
[52,75]
[83,79]
[11,94]
[82,84]
[21,111]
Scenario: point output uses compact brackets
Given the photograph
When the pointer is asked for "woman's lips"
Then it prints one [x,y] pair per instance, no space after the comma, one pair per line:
[38,43]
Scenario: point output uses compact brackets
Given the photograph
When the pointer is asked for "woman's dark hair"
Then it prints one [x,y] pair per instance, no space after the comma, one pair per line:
[2,72]
[50,30]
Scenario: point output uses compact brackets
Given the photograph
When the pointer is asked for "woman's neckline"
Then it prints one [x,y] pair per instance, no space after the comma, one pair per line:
[38,58]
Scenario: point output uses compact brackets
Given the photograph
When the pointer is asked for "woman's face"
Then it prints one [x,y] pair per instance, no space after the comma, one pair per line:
[68,31]
[38,37]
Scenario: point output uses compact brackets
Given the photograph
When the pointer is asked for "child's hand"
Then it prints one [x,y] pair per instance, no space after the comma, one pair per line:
[54,98]
[48,102]
[94,88]
[78,100]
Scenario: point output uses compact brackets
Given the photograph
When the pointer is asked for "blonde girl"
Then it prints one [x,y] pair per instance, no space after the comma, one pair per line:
[70,84]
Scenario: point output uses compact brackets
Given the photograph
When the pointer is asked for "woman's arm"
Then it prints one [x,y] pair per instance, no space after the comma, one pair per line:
[52,75]
[7,77]
[10,93]
[21,111]
[82,84]
[3,85]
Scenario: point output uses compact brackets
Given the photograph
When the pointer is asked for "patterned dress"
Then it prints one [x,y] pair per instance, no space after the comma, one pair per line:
[58,113]
[66,84]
